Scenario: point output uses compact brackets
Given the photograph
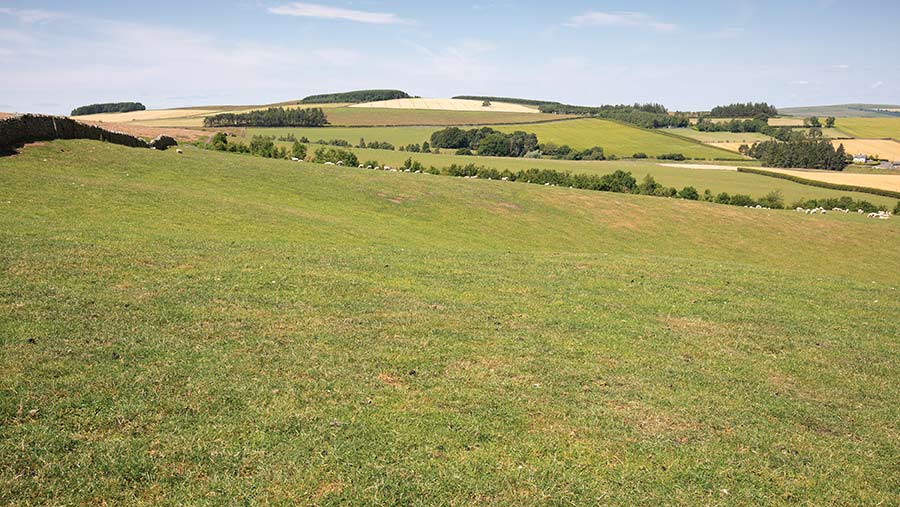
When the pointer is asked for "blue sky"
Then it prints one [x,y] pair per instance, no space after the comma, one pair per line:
[55,55]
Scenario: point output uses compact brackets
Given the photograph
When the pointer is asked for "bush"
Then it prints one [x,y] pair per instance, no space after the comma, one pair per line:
[298,150]
[335,155]
[463,151]
[689,193]
[639,155]
[671,156]
[774,200]
[897,208]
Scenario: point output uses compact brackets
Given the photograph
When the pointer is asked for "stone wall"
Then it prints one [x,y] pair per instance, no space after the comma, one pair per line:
[28,128]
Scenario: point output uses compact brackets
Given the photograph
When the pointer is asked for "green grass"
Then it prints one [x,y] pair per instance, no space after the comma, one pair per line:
[398,136]
[715,180]
[870,128]
[721,137]
[616,139]
[220,329]
[362,116]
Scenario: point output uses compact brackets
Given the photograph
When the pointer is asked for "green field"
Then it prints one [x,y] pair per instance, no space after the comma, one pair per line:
[721,137]
[361,116]
[870,128]
[715,180]
[211,329]
[398,136]
[616,139]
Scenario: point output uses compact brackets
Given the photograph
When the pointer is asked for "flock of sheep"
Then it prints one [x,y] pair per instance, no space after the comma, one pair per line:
[883,215]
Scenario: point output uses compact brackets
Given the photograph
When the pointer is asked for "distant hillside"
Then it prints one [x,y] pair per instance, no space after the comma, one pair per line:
[508,100]
[112,107]
[844,111]
[355,97]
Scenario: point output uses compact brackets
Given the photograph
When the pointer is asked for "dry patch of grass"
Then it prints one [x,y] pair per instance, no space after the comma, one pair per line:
[880,148]
[881,181]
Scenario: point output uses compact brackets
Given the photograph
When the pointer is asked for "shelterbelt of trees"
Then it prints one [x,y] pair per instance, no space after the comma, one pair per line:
[271,117]
[651,116]
[807,153]
[744,110]
[355,97]
[111,107]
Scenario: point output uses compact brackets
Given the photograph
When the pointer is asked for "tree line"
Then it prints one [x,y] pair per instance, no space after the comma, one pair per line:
[486,141]
[807,153]
[271,117]
[649,116]
[355,97]
[744,110]
[112,107]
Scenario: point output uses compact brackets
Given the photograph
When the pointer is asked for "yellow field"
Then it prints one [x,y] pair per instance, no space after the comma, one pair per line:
[150,115]
[882,181]
[448,105]
[729,146]
[786,122]
[877,148]
[870,128]
[188,117]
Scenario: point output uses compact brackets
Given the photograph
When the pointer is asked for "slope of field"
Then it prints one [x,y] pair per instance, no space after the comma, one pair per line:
[786,122]
[882,181]
[363,116]
[186,117]
[720,137]
[839,110]
[213,328]
[870,127]
[680,176]
[885,149]
[449,105]
[616,138]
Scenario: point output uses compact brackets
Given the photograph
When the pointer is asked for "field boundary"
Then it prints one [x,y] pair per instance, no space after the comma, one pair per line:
[822,184]
[28,128]
[683,138]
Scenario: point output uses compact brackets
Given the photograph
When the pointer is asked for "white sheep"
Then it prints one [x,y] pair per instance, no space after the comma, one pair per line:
[178,151]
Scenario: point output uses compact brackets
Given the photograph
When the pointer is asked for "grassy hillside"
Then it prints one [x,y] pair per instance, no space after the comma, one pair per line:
[715,180]
[365,117]
[839,110]
[616,138]
[721,137]
[870,127]
[212,328]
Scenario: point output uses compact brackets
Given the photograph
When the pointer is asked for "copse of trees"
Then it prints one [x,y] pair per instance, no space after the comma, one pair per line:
[335,155]
[486,141]
[112,107]
[355,97]
[808,153]
[271,117]
[744,110]
[649,116]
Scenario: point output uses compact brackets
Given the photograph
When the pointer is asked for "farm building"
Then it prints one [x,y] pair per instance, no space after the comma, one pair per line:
[859,159]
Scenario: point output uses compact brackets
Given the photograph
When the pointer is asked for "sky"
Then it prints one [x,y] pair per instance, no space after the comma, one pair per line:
[688,55]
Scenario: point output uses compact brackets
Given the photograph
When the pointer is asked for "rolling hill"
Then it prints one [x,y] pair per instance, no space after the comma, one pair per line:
[218,326]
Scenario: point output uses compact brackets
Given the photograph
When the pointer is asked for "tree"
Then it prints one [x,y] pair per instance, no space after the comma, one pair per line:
[298,150]
[812,121]
[689,193]
[829,122]
[362,143]
[426,148]
[486,103]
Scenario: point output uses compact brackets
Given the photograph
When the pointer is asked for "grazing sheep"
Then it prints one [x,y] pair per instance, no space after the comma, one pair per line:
[295,159]
[340,162]
[860,211]
[387,168]
[329,163]
[179,151]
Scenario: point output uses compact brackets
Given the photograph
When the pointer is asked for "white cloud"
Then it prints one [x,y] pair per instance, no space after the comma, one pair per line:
[878,84]
[799,82]
[841,66]
[306,10]
[30,15]
[625,19]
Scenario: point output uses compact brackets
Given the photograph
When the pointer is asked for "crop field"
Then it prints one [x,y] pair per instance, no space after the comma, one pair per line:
[882,181]
[365,117]
[448,105]
[870,127]
[720,137]
[786,121]
[242,330]
[680,176]
[882,148]
[616,138]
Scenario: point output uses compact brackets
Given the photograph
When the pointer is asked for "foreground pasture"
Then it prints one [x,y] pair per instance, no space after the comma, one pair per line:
[220,329]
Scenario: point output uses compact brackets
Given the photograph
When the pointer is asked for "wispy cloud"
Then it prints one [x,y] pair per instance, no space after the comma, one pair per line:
[799,82]
[30,15]
[840,66]
[878,84]
[623,19]
[306,10]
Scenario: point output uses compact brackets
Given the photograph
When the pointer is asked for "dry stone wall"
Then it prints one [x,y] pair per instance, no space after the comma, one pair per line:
[28,128]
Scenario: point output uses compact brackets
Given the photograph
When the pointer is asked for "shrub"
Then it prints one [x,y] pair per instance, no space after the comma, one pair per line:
[463,151]
[774,199]
[671,156]
[298,150]
[689,193]
[897,208]
[335,155]
[639,155]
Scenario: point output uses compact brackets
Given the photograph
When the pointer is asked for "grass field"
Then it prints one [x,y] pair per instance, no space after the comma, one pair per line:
[365,117]
[870,127]
[616,138]
[717,181]
[220,329]
[448,105]
[838,111]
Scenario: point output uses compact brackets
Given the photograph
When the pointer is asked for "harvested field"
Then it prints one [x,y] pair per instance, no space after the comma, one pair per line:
[881,181]
[884,149]
[146,132]
[6,115]
[142,116]
[374,117]
[714,167]
[786,122]
[448,105]
[720,137]
[869,128]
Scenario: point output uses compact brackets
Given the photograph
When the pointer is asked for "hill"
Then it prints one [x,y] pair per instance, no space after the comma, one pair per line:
[218,326]
[355,97]
[844,110]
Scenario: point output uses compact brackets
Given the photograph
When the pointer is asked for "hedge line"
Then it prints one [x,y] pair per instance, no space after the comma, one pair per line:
[822,184]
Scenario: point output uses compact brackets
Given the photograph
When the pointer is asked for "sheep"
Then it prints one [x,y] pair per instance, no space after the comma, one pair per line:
[361,166]
[179,151]
[329,163]
[386,168]
[295,159]
[860,211]
[340,162]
